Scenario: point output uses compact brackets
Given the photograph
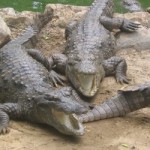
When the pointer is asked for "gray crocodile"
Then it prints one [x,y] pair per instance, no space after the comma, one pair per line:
[125,102]
[132,5]
[89,54]
[26,91]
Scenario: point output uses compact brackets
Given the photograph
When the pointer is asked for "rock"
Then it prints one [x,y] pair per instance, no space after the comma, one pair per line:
[139,40]
[16,21]
[20,19]
[8,11]
[4,32]
[148,9]
[28,14]
[65,13]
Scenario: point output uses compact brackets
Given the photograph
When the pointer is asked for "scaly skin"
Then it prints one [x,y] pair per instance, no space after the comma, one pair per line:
[89,54]
[132,5]
[26,92]
[121,104]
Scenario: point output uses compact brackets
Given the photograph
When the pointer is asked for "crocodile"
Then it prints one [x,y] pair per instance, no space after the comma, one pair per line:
[132,5]
[26,89]
[124,102]
[90,48]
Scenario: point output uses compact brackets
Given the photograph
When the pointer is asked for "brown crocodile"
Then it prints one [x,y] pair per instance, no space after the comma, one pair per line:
[90,49]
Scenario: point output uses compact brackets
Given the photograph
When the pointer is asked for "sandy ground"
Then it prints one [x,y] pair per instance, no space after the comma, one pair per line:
[131,132]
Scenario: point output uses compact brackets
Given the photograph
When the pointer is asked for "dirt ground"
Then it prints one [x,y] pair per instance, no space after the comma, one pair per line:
[131,132]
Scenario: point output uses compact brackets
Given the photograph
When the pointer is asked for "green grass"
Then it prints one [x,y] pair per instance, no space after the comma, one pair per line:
[21,5]
[27,4]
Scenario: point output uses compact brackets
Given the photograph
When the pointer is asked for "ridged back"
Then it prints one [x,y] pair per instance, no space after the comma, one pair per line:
[91,37]
[16,65]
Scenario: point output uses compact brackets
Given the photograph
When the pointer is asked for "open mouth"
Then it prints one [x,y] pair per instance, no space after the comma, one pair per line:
[68,123]
[88,84]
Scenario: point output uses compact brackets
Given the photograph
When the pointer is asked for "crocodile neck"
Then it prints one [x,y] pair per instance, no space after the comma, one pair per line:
[97,9]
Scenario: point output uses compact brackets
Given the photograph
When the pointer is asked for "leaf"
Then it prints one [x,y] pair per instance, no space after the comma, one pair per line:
[125,145]
[45,37]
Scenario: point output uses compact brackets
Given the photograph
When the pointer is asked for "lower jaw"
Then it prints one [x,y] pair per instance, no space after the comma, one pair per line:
[69,125]
[89,93]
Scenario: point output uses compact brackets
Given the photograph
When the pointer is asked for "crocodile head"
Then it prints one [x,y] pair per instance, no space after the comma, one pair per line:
[132,5]
[60,109]
[85,75]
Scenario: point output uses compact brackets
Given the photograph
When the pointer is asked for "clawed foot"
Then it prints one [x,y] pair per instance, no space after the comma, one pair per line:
[56,79]
[122,79]
[4,130]
[129,26]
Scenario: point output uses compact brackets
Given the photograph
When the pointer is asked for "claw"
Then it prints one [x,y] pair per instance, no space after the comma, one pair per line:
[130,26]
[56,78]
[59,81]
[122,80]
[135,25]
[130,30]
[4,130]
[54,81]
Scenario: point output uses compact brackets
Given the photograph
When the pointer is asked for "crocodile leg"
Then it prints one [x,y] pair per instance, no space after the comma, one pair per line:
[54,77]
[60,61]
[121,104]
[119,23]
[116,65]
[6,110]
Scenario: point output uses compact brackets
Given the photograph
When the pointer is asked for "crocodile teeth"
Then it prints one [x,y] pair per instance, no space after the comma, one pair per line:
[69,122]
[74,121]
[86,81]
[88,84]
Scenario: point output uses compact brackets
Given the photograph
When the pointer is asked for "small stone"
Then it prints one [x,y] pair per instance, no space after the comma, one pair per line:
[133,147]
[5,32]
[148,9]
[8,11]
[139,40]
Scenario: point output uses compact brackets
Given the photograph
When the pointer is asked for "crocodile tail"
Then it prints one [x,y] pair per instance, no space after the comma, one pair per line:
[41,19]
[125,102]
[25,37]
[38,22]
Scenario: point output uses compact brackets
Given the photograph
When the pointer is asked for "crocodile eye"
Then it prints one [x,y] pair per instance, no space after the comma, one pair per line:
[52,97]
[127,4]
